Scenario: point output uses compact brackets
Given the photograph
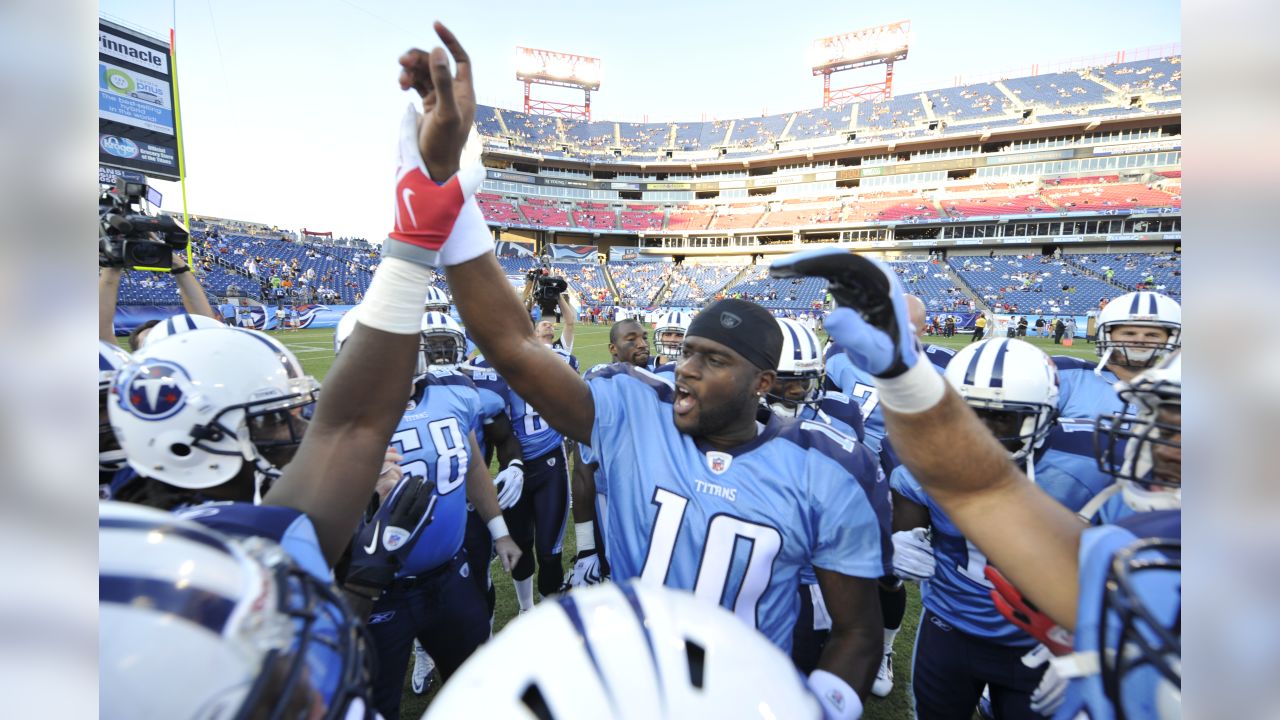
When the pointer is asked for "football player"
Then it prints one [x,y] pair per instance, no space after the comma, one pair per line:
[407,557]
[963,642]
[1116,586]
[668,336]
[1135,331]
[798,392]
[539,518]
[850,380]
[259,626]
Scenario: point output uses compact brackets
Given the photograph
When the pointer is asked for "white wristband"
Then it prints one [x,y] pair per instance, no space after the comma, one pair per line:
[838,700]
[915,390]
[470,237]
[394,301]
[585,532]
[498,527]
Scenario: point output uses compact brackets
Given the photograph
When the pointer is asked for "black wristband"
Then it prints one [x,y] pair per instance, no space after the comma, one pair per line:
[180,270]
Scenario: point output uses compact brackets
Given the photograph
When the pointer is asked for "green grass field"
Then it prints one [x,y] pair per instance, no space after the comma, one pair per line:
[315,350]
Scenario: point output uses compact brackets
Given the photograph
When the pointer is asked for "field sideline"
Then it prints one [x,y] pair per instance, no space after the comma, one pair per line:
[314,349]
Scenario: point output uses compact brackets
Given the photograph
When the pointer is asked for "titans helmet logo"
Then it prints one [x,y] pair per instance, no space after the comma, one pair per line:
[152,391]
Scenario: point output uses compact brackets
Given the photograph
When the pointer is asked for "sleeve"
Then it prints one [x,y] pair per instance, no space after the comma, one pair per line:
[491,403]
[847,530]
[905,485]
[606,395]
[839,372]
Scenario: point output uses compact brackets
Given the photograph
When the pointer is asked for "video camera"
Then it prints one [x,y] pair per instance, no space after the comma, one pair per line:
[129,237]
[547,289]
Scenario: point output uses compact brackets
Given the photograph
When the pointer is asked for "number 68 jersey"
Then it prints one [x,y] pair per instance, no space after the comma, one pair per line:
[736,527]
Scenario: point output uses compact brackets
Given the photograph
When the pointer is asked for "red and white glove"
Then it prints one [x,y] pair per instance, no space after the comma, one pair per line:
[427,212]
[1019,611]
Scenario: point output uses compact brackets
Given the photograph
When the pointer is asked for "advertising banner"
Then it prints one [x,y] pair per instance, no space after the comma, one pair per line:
[573,253]
[630,254]
[128,96]
[136,113]
[254,316]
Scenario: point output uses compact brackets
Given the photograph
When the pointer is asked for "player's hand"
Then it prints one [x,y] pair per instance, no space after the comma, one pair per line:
[913,555]
[448,102]
[1019,611]
[391,474]
[586,571]
[507,551]
[871,324]
[509,483]
[430,190]
[179,260]
[383,542]
[1052,690]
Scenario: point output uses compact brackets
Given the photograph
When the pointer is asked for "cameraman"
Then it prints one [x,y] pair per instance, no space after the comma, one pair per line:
[194,300]
[545,327]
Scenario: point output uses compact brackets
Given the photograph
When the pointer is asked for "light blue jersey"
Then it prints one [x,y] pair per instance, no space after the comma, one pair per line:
[1160,592]
[432,436]
[537,438]
[735,527]
[1083,393]
[1066,467]
[860,385]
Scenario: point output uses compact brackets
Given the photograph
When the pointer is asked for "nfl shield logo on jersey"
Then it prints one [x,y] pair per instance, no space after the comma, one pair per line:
[718,461]
[153,391]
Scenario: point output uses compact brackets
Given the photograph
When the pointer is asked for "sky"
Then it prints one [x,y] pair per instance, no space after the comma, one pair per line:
[290,109]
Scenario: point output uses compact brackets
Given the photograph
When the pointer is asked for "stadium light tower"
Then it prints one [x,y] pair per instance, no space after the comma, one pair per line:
[881,45]
[544,67]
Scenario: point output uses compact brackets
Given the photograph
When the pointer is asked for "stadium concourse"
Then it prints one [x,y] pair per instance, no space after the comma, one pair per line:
[699,347]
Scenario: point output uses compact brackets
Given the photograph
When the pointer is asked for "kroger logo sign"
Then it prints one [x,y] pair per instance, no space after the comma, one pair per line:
[118,146]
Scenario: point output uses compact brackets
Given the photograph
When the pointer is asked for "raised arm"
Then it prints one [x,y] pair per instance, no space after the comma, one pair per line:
[1028,536]
[108,291]
[194,299]
[501,329]
[570,319]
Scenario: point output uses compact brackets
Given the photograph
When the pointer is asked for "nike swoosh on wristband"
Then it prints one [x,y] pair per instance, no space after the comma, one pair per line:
[407,195]
[373,544]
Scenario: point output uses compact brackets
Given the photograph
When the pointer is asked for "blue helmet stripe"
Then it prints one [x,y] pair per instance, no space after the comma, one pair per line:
[633,600]
[169,327]
[1154,308]
[1133,308]
[201,607]
[971,372]
[186,533]
[997,370]
[570,607]
[796,354]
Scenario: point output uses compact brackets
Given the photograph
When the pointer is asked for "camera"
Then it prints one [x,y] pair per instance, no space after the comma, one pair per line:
[547,289]
[129,237]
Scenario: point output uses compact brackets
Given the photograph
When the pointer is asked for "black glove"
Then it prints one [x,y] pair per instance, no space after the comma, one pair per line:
[383,541]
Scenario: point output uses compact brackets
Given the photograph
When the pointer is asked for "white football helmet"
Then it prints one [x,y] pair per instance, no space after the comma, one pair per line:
[1010,383]
[192,410]
[111,358]
[437,301]
[1142,309]
[675,321]
[801,360]
[443,342]
[1146,483]
[627,650]
[197,624]
[182,322]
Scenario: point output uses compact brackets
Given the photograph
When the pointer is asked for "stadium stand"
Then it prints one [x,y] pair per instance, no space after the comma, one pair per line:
[587,280]
[779,294]
[638,282]
[1137,271]
[930,281]
[693,285]
[1032,284]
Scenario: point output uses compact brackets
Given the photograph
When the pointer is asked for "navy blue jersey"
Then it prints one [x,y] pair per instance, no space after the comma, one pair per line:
[1082,392]
[860,385]
[1066,467]
[666,370]
[432,437]
[738,526]
[537,438]
[1161,595]
[845,410]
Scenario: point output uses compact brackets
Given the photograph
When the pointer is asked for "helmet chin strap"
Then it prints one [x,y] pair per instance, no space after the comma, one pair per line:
[782,410]
[1103,362]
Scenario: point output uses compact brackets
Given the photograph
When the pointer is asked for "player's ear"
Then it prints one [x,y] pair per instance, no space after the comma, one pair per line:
[764,381]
